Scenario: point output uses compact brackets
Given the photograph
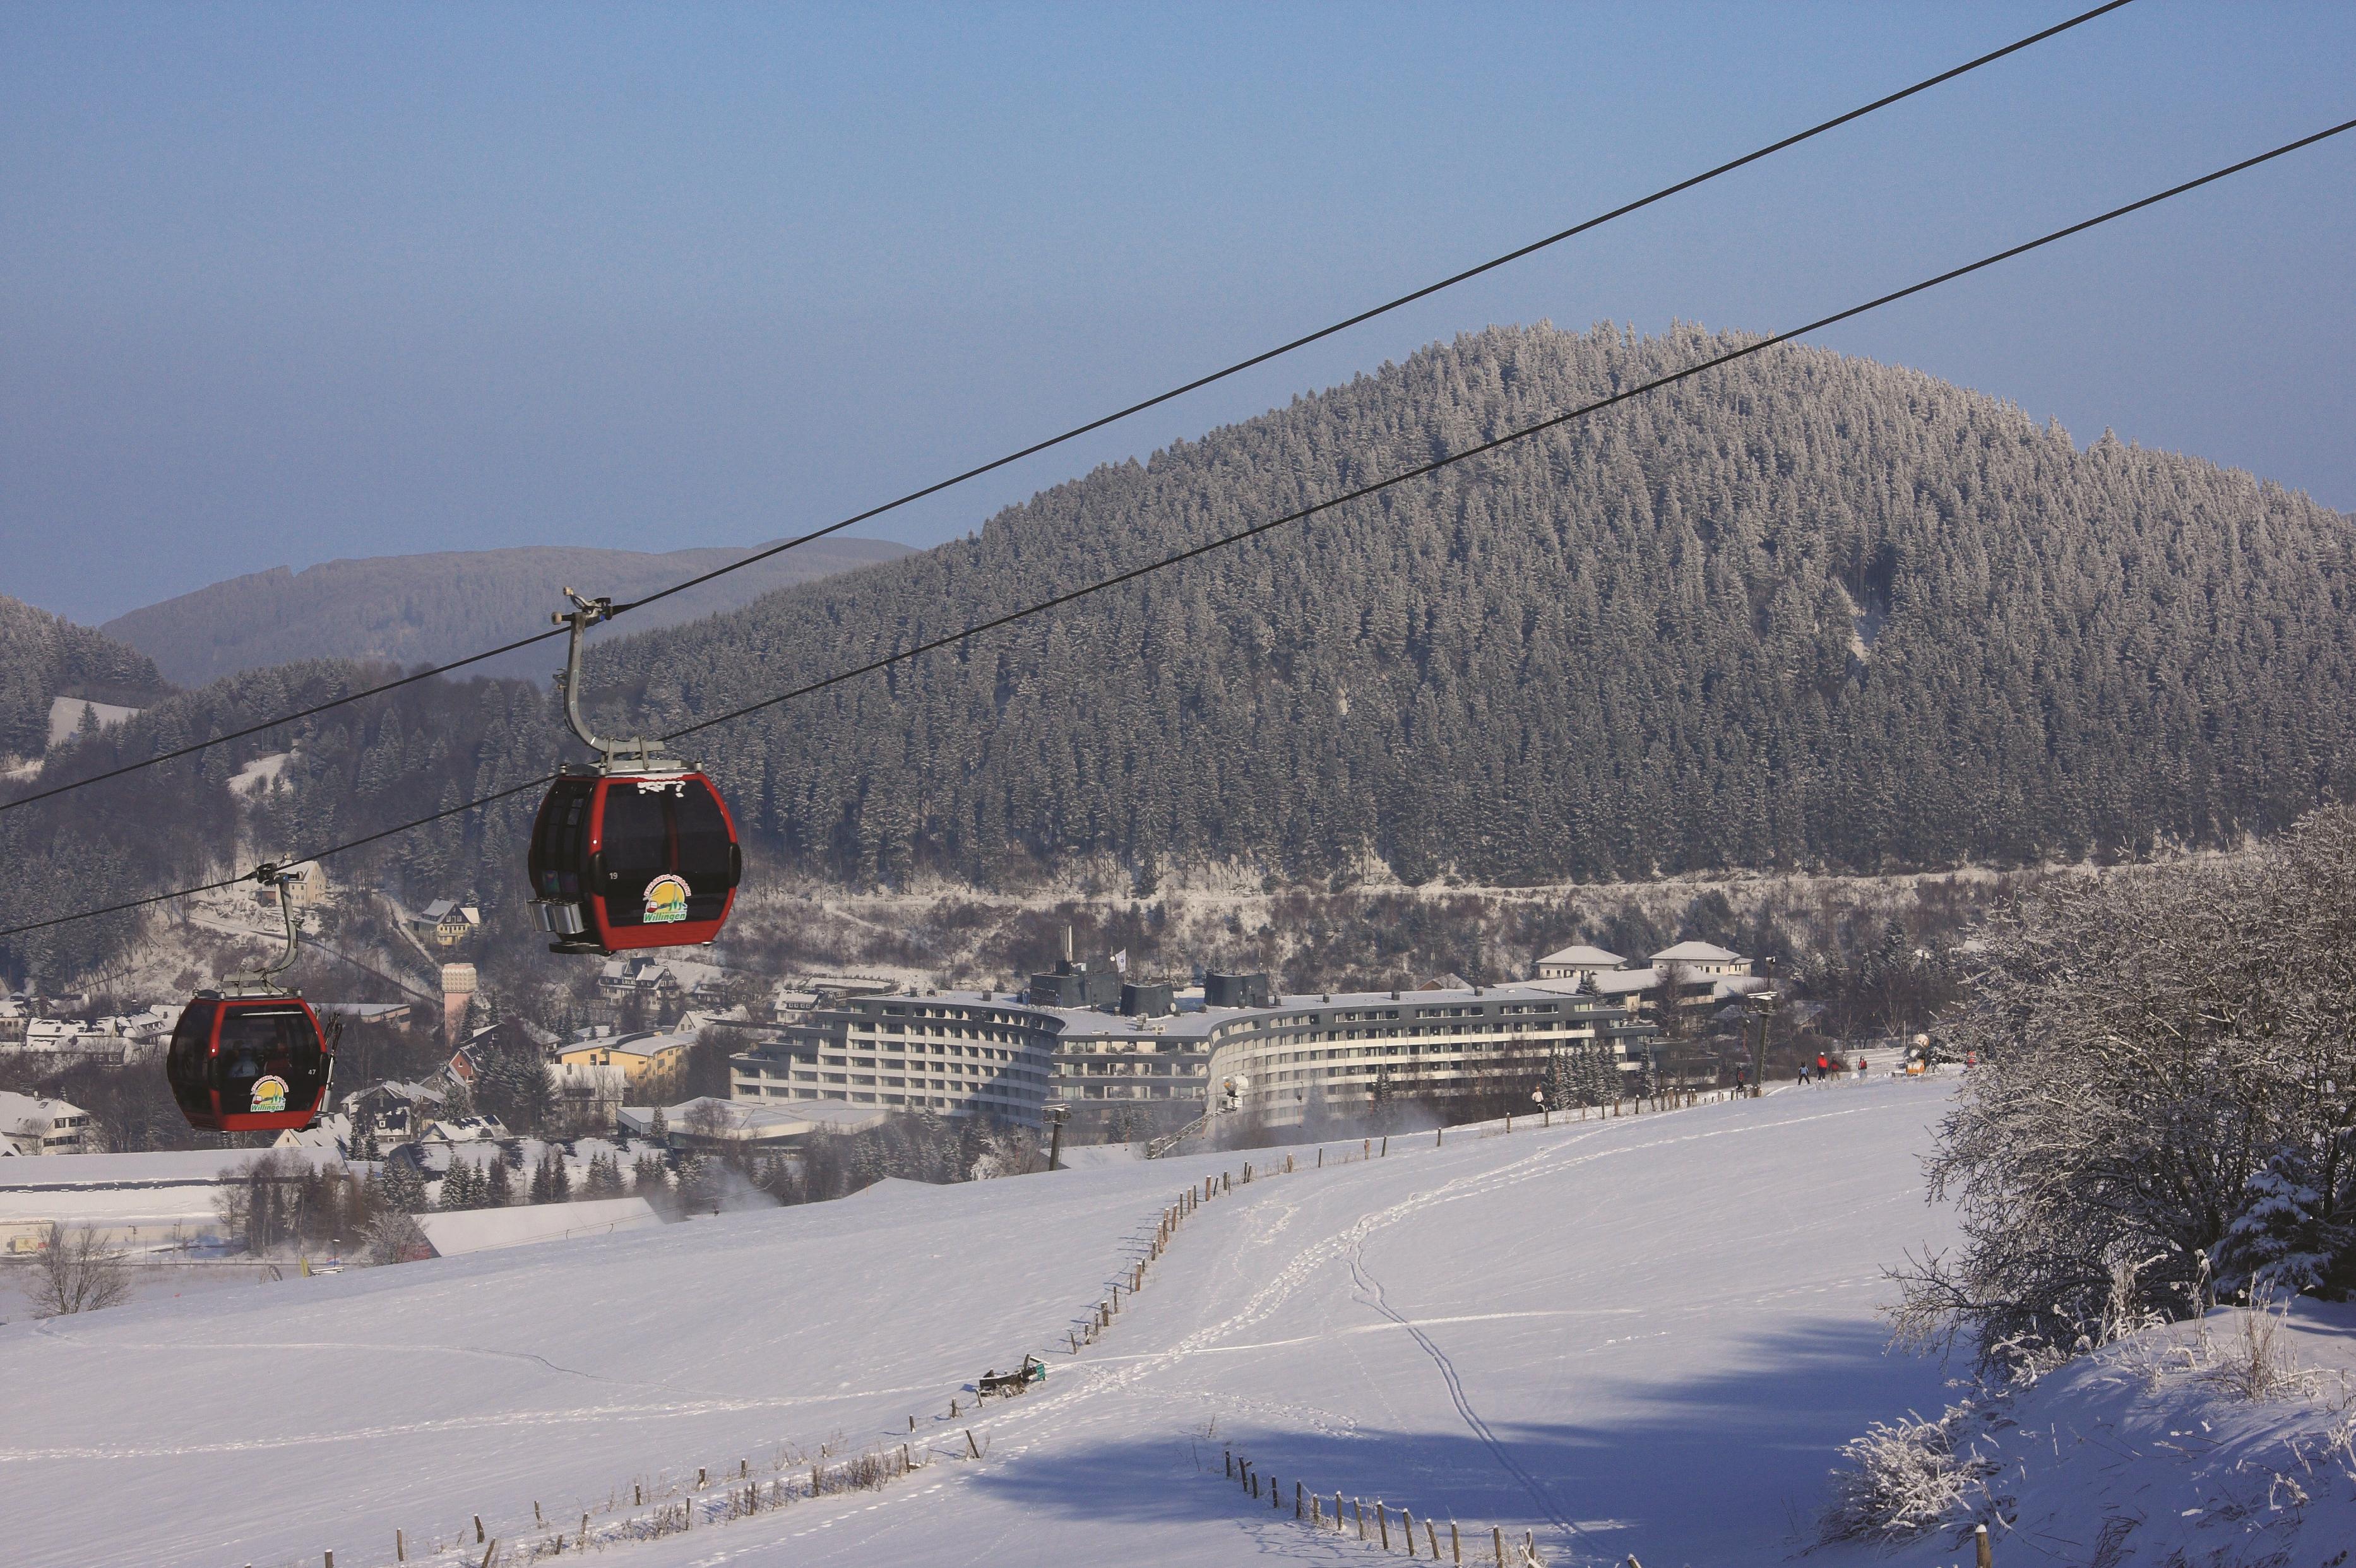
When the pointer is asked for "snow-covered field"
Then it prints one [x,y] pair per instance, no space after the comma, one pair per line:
[1644,1335]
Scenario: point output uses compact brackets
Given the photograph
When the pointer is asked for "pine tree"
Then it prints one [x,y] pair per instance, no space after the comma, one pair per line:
[402,1190]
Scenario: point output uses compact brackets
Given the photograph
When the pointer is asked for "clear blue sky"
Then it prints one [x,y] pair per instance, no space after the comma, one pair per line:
[279,285]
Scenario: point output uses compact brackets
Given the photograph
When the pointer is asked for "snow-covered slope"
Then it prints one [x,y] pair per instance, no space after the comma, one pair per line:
[2230,1443]
[1644,1335]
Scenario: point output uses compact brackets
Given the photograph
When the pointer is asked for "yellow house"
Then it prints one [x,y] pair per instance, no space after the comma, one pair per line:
[648,1061]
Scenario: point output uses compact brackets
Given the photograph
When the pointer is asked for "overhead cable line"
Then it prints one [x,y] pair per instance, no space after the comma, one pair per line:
[1254,531]
[1098,423]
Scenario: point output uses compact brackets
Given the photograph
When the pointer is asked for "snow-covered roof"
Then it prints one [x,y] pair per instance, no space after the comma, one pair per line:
[1580,956]
[401,1088]
[170,1167]
[486,1229]
[758,1119]
[1695,953]
[441,909]
[465,1130]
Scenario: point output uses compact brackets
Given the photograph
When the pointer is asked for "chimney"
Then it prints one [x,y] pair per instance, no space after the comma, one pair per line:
[457,995]
[1067,947]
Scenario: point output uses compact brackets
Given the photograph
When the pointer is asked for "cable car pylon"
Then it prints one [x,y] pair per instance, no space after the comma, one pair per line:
[636,850]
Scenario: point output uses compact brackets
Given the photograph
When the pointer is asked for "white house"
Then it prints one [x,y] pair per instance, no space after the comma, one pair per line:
[68,1039]
[1701,960]
[1578,962]
[32,1124]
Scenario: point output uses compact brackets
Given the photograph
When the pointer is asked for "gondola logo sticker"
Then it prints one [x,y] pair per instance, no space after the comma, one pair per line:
[269,1094]
[666,901]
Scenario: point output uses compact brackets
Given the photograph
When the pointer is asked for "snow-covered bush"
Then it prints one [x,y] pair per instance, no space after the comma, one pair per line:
[393,1237]
[1900,1480]
[2147,1044]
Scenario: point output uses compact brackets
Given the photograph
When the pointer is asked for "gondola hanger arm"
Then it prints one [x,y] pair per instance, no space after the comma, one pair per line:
[586,613]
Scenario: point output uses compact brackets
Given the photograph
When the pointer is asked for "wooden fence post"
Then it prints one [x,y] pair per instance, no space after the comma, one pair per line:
[331,1560]
[478,1529]
[1497,1540]
[970,1445]
[400,1548]
[1382,1524]
[489,1551]
[1455,1546]
[1296,1500]
[1982,1555]
[1431,1534]
[1407,1517]
[1359,1514]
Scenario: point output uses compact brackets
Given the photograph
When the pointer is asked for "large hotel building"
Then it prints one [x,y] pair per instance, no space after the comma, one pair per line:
[1134,1059]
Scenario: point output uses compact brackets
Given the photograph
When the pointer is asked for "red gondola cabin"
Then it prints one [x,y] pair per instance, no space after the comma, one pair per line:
[246,1065]
[623,860]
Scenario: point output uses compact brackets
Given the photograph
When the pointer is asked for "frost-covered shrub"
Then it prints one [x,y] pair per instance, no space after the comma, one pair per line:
[2166,1062]
[1902,1479]
[2254,1364]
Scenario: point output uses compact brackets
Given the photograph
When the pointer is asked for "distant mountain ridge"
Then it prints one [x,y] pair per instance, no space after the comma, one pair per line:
[419,609]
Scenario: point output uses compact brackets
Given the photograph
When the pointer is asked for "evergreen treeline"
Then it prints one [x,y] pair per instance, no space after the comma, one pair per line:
[43,657]
[1808,610]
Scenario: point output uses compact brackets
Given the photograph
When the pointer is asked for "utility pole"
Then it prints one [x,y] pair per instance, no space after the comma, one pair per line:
[1763,1006]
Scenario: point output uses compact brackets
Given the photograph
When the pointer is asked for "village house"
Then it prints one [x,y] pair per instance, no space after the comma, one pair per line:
[68,1042]
[32,1124]
[650,979]
[448,921]
[394,1109]
[651,1060]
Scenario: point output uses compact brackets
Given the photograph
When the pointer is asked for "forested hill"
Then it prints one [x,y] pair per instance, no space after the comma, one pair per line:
[421,609]
[1806,610]
[43,656]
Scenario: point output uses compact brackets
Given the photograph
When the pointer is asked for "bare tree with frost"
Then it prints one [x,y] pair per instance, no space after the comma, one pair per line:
[2166,1085]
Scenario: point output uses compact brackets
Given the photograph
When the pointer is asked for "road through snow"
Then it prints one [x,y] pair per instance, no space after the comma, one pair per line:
[1645,1334]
